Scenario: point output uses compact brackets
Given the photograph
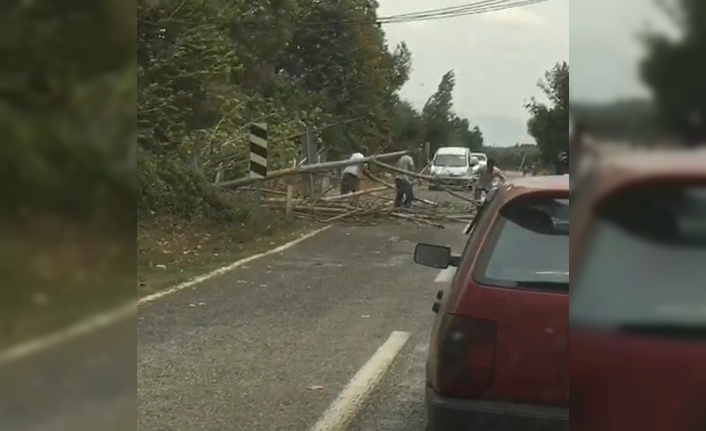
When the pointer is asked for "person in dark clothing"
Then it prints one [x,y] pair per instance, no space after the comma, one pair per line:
[576,146]
[561,166]
[694,130]
[405,193]
[349,183]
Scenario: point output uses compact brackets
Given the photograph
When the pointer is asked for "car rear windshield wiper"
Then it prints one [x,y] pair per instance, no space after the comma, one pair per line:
[673,331]
[548,285]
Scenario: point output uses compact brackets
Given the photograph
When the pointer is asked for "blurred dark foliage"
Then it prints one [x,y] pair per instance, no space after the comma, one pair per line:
[628,120]
[675,71]
[549,123]
[67,108]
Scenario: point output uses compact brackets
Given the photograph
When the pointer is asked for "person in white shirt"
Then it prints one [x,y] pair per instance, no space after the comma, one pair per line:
[485,179]
[350,179]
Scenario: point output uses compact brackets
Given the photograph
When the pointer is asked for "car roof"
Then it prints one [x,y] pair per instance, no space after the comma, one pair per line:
[452,150]
[644,164]
[558,183]
[515,187]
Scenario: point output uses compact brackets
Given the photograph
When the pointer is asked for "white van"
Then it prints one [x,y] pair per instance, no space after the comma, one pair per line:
[452,166]
[482,161]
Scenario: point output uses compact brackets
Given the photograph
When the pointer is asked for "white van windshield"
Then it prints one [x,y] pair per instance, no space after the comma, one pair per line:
[451,160]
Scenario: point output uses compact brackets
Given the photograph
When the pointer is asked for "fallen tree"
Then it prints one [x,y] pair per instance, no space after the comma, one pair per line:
[424,177]
[308,169]
[368,206]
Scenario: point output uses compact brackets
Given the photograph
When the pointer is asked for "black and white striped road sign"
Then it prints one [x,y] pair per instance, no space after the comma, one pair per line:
[258,150]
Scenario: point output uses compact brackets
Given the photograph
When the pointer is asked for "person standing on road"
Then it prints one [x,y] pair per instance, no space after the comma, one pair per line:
[403,182]
[561,166]
[486,177]
[350,179]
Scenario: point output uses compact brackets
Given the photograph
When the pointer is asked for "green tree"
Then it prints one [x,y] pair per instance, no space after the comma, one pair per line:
[408,129]
[511,158]
[463,135]
[67,107]
[350,65]
[207,68]
[549,122]
[675,71]
[437,113]
[441,124]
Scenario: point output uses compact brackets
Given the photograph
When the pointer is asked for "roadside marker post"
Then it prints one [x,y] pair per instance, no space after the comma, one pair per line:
[258,163]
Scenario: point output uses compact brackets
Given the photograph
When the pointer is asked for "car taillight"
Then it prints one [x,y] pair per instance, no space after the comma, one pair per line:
[465,364]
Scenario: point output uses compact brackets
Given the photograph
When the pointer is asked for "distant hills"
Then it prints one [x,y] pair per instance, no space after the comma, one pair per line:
[633,120]
[628,120]
[502,131]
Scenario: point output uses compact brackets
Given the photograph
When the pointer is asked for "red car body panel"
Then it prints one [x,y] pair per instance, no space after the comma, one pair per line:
[628,381]
[531,358]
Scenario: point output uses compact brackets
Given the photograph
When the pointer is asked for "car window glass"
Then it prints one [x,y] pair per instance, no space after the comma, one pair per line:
[484,212]
[646,263]
[529,247]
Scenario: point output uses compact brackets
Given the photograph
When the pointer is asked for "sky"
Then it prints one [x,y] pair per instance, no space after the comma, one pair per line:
[498,58]
[606,48]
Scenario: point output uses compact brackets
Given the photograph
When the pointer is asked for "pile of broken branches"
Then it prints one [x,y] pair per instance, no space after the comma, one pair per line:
[371,206]
[367,206]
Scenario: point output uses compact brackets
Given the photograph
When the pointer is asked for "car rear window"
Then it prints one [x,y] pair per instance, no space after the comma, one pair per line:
[646,263]
[528,247]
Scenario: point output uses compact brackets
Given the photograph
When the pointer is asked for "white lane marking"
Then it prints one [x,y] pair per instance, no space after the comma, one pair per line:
[445,275]
[81,328]
[232,266]
[343,409]
[110,317]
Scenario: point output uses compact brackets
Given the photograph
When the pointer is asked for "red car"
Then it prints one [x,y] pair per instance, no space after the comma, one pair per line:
[638,300]
[498,358]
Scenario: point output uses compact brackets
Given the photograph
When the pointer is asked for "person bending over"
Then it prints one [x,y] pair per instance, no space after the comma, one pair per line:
[403,182]
[487,176]
[350,180]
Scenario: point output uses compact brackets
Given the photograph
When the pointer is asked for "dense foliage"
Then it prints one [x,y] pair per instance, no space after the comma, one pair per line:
[622,121]
[675,71]
[514,157]
[549,124]
[207,68]
[67,111]
[442,125]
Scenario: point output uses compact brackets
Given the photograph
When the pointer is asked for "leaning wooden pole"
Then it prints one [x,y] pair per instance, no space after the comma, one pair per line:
[310,168]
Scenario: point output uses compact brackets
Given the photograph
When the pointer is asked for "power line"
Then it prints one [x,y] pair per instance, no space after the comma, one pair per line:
[478,7]
[489,7]
[450,9]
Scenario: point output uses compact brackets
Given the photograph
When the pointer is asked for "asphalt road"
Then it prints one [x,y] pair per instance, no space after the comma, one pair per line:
[267,346]
[87,384]
[270,346]
[398,402]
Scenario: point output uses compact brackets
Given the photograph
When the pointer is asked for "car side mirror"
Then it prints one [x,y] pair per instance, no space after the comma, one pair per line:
[433,256]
